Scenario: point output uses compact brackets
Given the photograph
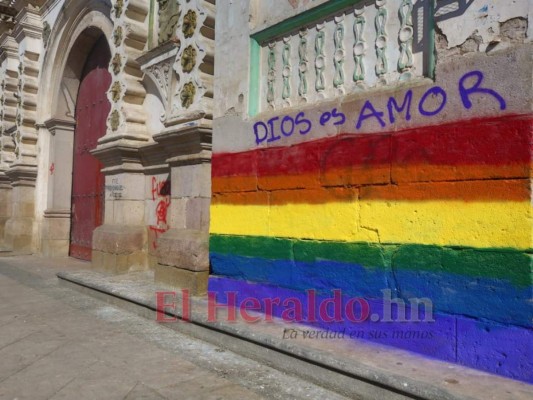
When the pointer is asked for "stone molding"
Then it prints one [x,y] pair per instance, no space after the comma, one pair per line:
[119,156]
[8,101]
[53,124]
[154,158]
[57,214]
[187,144]
[182,68]
[22,175]
[126,94]
[27,32]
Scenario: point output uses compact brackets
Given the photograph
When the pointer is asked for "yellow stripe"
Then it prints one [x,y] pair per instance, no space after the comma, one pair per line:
[476,224]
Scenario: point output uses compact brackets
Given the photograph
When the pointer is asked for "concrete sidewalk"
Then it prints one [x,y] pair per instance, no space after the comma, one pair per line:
[56,343]
[355,368]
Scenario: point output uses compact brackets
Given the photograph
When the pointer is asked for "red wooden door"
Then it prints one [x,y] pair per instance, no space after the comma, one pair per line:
[92,109]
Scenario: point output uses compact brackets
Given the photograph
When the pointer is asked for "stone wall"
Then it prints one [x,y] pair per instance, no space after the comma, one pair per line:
[413,187]
[156,148]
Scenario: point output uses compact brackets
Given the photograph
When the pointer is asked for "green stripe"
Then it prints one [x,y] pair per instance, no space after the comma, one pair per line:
[431,56]
[306,18]
[368,255]
[497,263]
[252,246]
[255,83]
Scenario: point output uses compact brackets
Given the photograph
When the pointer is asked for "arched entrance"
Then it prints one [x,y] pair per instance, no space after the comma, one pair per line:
[92,109]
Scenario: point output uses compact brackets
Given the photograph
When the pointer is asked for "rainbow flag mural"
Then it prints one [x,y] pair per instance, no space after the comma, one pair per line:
[441,212]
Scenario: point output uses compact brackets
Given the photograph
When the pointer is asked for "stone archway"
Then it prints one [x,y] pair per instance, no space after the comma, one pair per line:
[73,37]
[75,195]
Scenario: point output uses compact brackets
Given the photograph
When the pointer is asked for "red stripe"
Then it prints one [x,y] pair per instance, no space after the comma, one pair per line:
[496,142]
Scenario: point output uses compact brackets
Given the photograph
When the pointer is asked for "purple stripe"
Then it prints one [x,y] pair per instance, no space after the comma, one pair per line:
[499,349]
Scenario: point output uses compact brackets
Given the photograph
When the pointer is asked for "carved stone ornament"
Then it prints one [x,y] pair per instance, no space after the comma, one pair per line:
[405,61]
[188,59]
[359,48]
[381,38]
[16,138]
[117,36]
[187,95]
[303,61]
[116,91]
[119,7]
[46,33]
[286,71]
[320,63]
[189,24]
[338,58]
[169,15]
[160,72]
[114,120]
[116,64]
[271,59]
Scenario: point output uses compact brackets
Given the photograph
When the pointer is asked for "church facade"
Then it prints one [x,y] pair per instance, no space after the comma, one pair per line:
[376,150]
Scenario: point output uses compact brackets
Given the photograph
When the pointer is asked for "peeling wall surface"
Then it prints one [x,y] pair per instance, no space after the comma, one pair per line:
[487,22]
[264,15]
[416,188]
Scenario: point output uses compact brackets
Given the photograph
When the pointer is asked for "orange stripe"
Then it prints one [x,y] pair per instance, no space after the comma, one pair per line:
[499,190]
[430,173]
[495,190]
[378,175]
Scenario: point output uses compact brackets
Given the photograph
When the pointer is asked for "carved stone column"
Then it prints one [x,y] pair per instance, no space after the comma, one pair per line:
[183,251]
[120,244]
[27,32]
[6,207]
[181,68]
[8,103]
[56,225]
[23,171]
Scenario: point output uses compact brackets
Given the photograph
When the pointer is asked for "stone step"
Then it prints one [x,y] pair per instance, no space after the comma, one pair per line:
[7,252]
[353,368]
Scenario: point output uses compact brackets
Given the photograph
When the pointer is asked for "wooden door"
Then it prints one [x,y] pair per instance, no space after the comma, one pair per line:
[92,109]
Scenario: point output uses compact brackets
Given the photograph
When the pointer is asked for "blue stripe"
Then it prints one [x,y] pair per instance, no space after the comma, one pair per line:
[480,297]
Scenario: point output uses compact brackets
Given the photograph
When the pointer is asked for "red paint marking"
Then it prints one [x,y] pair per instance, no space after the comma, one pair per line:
[160,188]
[161,211]
[161,192]
[52,169]
[157,231]
[491,141]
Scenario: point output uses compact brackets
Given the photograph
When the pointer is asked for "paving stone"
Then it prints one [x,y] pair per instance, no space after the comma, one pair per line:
[47,375]
[24,352]
[143,392]
[56,343]
[98,382]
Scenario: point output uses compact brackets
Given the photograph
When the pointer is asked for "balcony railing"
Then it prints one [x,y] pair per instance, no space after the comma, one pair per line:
[337,49]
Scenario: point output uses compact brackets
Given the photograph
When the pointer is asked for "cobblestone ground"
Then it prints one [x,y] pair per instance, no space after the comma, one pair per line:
[56,343]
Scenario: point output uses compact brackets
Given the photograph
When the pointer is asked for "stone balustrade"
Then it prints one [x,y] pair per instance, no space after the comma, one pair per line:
[367,45]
